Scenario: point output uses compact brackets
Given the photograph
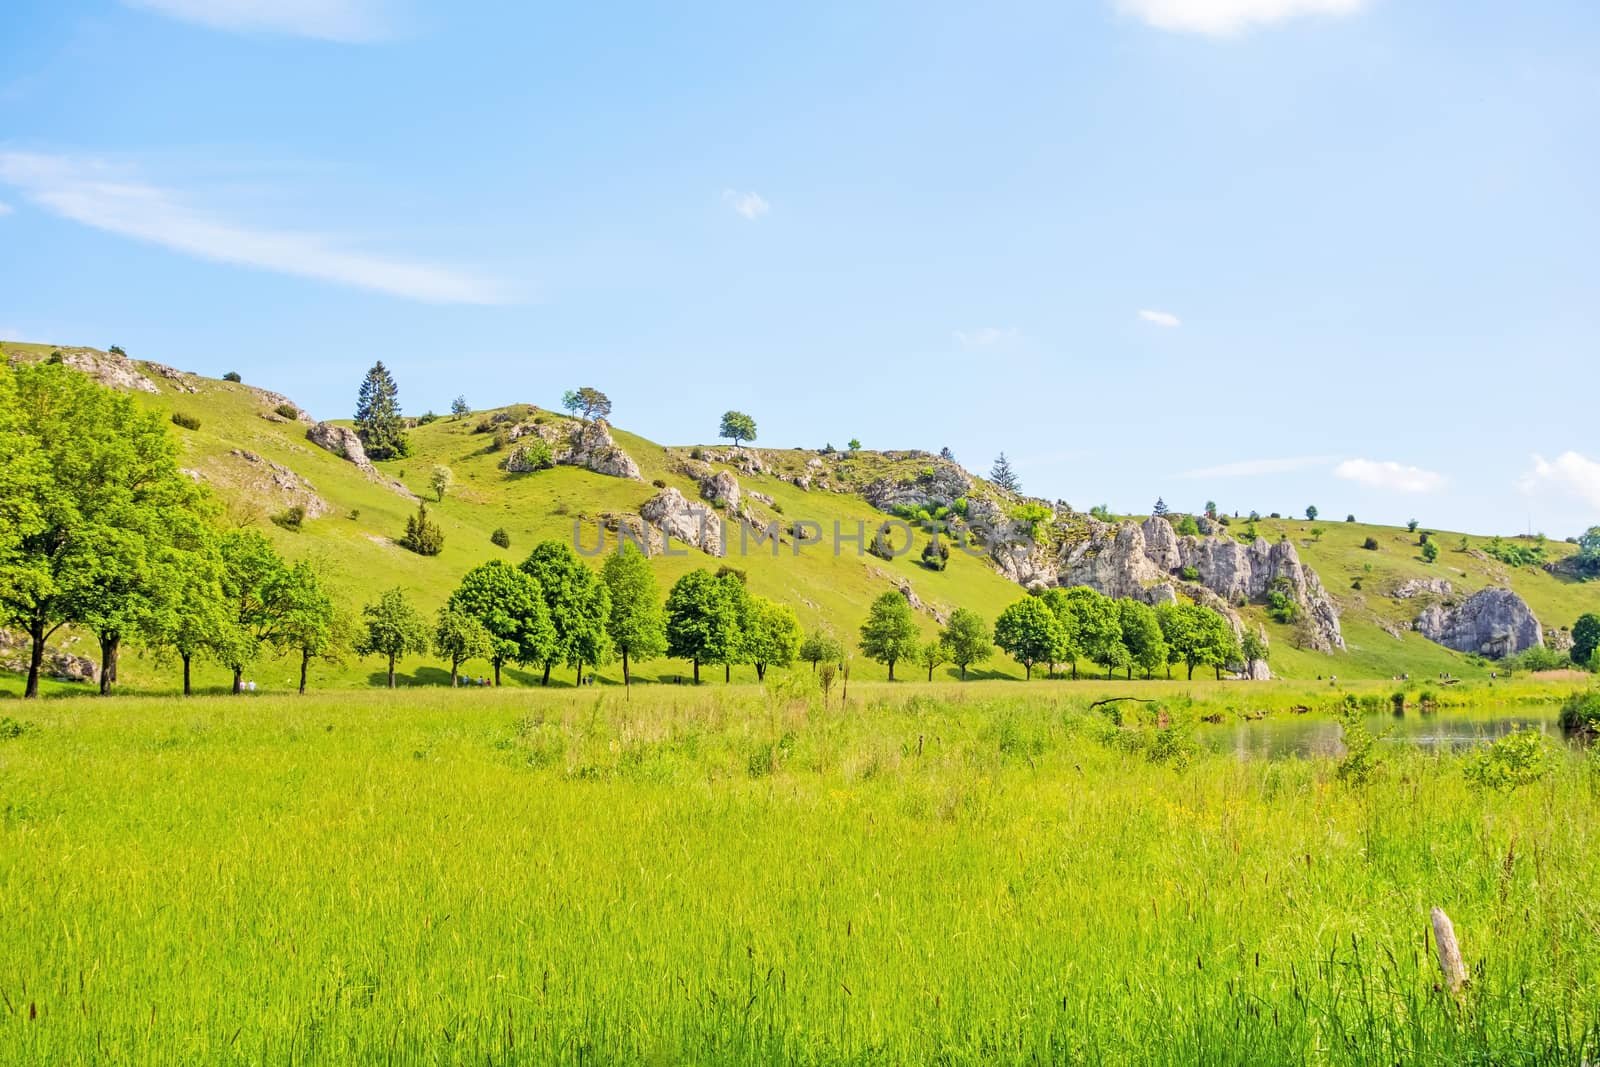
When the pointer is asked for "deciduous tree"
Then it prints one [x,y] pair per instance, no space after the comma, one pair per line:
[890,632]
[969,639]
[702,619]
[510,606]
[579,606]
[1029,632]
[637,625]
[393,629]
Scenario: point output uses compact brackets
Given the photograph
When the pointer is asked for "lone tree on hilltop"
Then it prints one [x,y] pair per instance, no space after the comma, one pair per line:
[378,416]
[737,427]
[1160,508]
[1311,514]
[587,403]
[460,407]
[1002,475]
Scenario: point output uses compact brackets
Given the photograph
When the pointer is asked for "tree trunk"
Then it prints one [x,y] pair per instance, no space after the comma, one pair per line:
[305,662]
[627,683]
[727,673]
[580,675]
[1191,671]
[455,673]
[1027,672]
[35,658]
[238,680]
[1130,672]
[891,670]
[963,672]
[696,672]
[391,672]
[547,666]
[1074,670]
[188,689]
[108,661]
[497,674]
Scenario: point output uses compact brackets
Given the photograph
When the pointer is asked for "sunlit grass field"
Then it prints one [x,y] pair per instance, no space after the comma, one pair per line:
[945,874]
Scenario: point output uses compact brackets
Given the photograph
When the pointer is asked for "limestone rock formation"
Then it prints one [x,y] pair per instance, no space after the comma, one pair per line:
[1492,622]
[16,651]
[1420,587]
[107,368]
[691,523]
[722,486]
[342,441]
[940,484]
[263,477]
[592,448]
[182,381]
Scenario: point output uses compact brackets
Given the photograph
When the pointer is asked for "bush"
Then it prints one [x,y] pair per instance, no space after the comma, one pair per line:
[291,518]
[1519,758]
[1189,574]
[232,376]
[1187,527]
[936,554]
[1430,551]
[423,536]
[1349,518]
[1539,658]
[500,538]
[660,483]
[188,422]
[1370,544]
[1360,746]
[288,411]
[484,426]
[1581,714]
[697,452]
[426,417]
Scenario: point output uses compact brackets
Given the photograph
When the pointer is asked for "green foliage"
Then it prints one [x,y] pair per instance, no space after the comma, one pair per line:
[1513,554]
[1587,560]
[1188,527]
[1585,638]
[1520,758]
[890,632]
[500,538]
[1360,760]
[291,518]
[440,479]
[1253,649]
[311,625]
[1141,636]
[932,655]
[1189,574]
[1311,514]
[1101,512]
[1197,635]
[1003,476]
[936,554]
[1031,633]
[1580,713]
[968,638]
[1540,658]
[287,411]
[1370,544]
[854,444]
[185,420]
[458,636]
[737,427]
[1430,551]
[703,614]
[378,419]
[393,629]
[1034,515]
[232,376]
[636,622]
[423,536]
[1281,604]
[510,606]
[820,646]
[578,602]
[459,408]
[771,634]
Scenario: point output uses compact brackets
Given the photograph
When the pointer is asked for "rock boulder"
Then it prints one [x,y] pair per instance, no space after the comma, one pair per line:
[1493,622]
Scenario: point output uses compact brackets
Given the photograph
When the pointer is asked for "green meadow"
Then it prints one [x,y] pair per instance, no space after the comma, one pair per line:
[986,873]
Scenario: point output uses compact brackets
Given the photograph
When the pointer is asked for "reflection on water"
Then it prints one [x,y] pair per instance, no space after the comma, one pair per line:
[1312,736]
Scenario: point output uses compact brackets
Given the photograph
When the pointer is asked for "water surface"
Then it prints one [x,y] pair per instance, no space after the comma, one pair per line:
[1313,736]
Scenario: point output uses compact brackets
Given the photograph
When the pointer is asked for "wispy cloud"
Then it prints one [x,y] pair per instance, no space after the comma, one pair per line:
[1256,468]
[752,205]
[1571,473]
[986,336]
[5,208]
[1222,18]
[94,194]
[349,21]
[1160,318]
[1389,475]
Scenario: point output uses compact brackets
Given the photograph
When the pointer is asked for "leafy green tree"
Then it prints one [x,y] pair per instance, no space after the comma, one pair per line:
[1099,627]
[423,536]
[890,632]
[378,421]
[1430,551]
[312,624]
[969,639]
[440,479]
[1188,527]
[459,407]
[511,608]
[820,646]
[637,624]
[1311,514]
[92,507]
[1161,509]
[1141,635]
[579,606]
[254,579]
[737,427]
[500,538]
[854,444]
[1061,603]
[1253,649]
[587,403]
[1003,476]
[1412,525]
[771,635]
[933,655]
[1197,635]
[193,618]
[1030,632]
[702,619]
[458,636]
[393,629]
[1585,638]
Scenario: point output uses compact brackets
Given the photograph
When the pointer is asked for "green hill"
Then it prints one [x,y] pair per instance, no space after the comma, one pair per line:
[251,447]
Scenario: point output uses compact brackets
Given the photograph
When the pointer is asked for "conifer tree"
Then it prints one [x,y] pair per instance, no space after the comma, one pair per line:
[1002,475]
[378,416]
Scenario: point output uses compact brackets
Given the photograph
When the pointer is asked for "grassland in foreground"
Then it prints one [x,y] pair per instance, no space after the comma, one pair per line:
[929,874]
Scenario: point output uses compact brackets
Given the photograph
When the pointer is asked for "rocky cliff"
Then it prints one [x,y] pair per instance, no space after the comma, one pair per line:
[1491,622]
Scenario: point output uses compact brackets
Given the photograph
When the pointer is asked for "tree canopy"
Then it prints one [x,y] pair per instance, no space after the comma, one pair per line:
[737,427]
[578,603]
[393,629]
[378,421]
[510,606]
[703,618]
[636,624]
[968,638]
[890,632]
[587,403]
[1029,632]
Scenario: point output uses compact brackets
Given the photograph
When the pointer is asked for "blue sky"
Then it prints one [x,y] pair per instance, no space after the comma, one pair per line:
[1268,252]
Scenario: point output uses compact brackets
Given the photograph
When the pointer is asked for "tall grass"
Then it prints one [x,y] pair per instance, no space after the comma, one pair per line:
[743,876]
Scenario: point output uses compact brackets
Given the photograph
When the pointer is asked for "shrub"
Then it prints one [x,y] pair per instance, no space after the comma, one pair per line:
[188,422]
[423,536]
[1412,525]
[1430,551]
[502,441]
[11,729]
[936,554]
[1189,574]
[880,545]
[1360,746]
[484,426]
[1349,518]
[1399,701]
[500,537]
[1187,527]
[1519,758]
[288,411]
[697,452]
[1355,583]
[1540,658]
[426,417]
[1581,713]
[291,518]
[660,483]
[232,376]
[355,513]
[1370,544]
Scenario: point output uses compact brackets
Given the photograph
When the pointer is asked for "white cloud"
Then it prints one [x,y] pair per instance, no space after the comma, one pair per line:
[1222,18]
[985,337]
[1389,475]
[751,205]
[1160,318]
[350,21]
[1256,468]
[1570,472]
[90,193]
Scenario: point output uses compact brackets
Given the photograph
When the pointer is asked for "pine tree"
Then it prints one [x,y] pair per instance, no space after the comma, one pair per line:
[1002,475]
[423,536]
[378,416]
[1161,507]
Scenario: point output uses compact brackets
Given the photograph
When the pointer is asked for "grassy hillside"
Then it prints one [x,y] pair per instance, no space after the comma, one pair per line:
[365,512]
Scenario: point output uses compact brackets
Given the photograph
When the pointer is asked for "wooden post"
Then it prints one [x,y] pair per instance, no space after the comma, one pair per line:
[1444,936]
